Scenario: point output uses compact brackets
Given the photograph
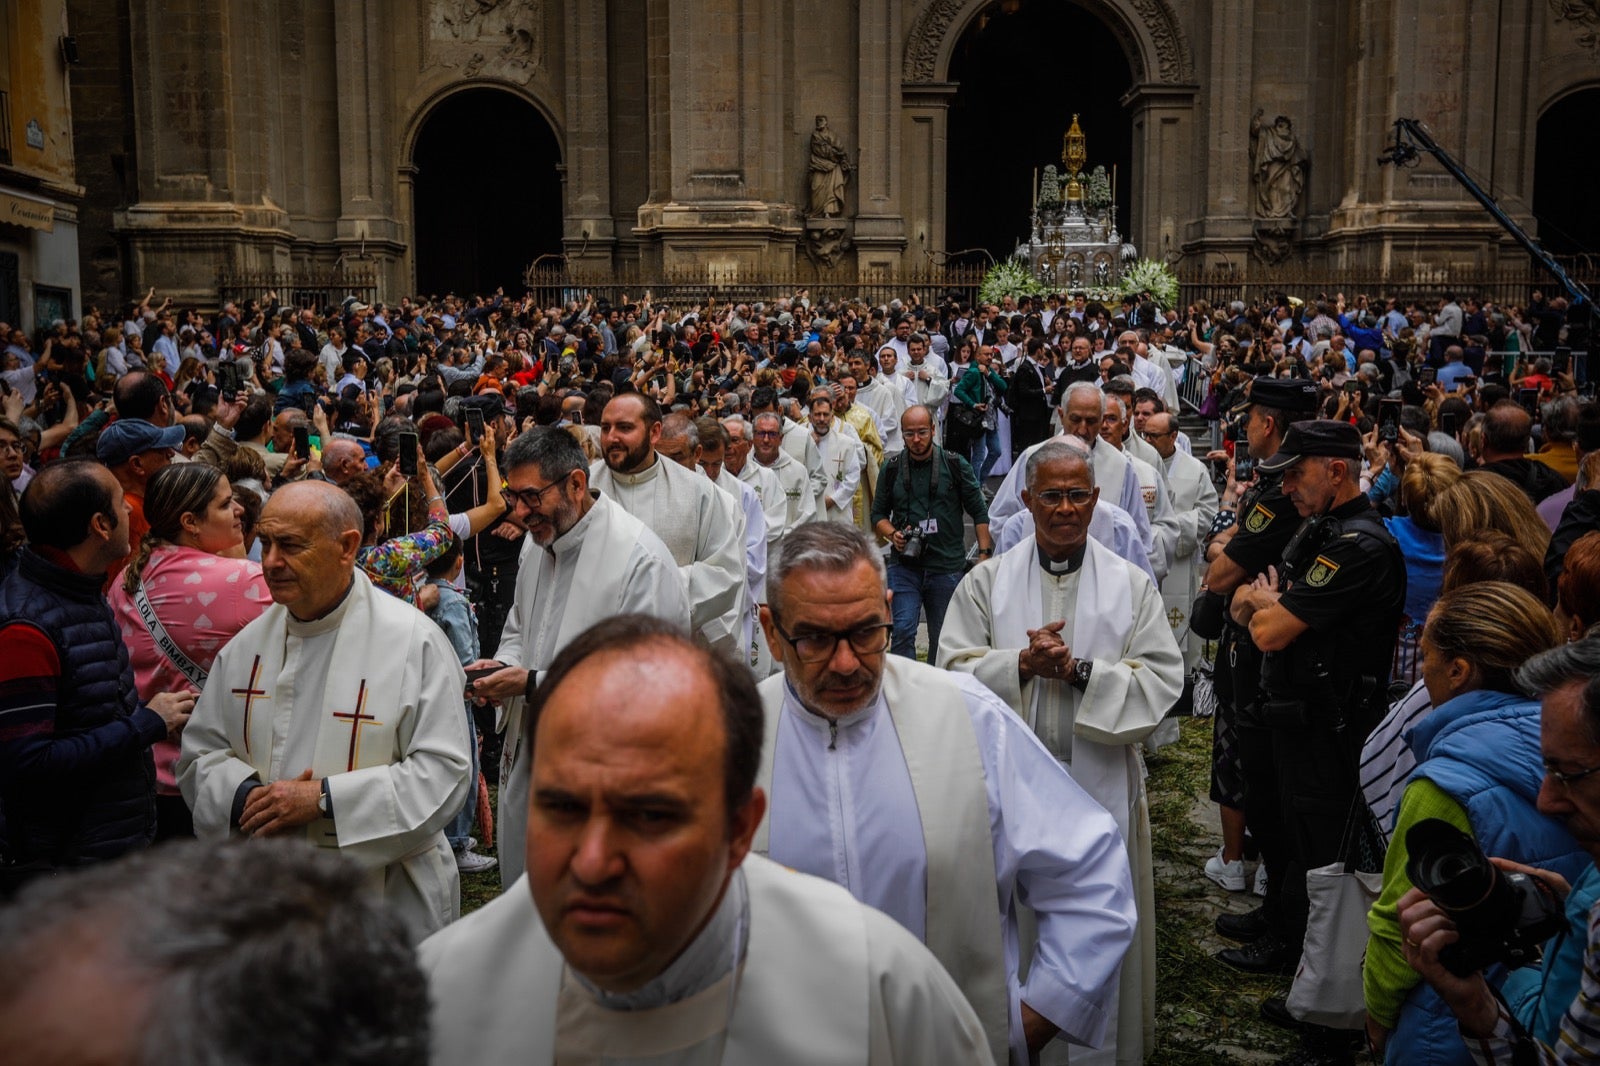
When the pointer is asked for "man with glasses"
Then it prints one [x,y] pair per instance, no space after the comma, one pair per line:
[14,456]
[920,792]
[584,559]
[1075,639]
[766,433]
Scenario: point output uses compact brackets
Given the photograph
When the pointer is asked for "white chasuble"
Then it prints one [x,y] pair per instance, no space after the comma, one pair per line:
[1137,676]
[1113,476]
[943,774]
[607,564]
[368,697]
[824,981]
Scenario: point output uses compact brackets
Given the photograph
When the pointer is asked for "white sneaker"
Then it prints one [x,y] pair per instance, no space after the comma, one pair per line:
[1260,887]
[1230,875]
[470,862]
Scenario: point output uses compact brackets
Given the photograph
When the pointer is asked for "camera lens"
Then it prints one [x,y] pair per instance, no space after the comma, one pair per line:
[1448,865]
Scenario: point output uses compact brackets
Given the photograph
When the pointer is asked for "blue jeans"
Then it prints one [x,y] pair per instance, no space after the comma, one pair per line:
[460,827]
[985,452]
[916,590]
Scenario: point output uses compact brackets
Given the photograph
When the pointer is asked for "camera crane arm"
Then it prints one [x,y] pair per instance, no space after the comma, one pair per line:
[1411,138]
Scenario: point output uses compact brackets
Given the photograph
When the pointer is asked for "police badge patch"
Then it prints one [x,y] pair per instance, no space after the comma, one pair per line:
[1321,572]
[1259,519]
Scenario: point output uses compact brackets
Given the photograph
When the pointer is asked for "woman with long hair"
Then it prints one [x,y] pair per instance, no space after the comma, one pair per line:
[1422,546]
[199,594]
[1482,500]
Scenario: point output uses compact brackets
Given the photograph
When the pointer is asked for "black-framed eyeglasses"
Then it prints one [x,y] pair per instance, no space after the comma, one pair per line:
[1569,779]
[871,639]
[530,498]
[1056,497]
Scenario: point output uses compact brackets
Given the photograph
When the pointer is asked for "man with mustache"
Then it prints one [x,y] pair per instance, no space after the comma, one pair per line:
[644,930]
[923,794]
[584,559]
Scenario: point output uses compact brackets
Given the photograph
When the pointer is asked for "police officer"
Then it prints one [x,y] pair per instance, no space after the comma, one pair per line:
[1255,522]
[1326,623]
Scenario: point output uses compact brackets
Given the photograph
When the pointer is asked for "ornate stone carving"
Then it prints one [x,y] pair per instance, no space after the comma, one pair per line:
[826,240]
[502,37]
[1155,18]
[1585,17]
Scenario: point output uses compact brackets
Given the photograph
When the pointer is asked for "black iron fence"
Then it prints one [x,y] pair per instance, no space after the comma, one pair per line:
[1509,283]
[298,288]
[554,285]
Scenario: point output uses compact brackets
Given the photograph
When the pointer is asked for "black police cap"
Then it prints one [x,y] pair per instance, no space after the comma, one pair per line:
[1321,437]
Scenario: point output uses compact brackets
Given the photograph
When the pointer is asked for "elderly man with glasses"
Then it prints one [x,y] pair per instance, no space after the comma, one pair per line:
[1076,640]
[584,559]
[920,792]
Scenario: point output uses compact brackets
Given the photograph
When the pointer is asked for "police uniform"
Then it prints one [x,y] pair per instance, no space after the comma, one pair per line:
[1243,771]
[1343,575]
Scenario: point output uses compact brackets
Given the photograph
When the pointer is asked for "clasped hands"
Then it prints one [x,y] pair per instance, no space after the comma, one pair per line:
[1262,592]
[281,806]
[1046,655]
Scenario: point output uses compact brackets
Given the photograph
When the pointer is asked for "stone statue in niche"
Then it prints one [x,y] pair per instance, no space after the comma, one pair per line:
[829,170]
[1277,166]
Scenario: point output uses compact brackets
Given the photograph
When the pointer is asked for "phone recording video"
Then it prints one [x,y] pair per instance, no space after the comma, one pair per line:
[408,454]
[1389,421]
[302,441]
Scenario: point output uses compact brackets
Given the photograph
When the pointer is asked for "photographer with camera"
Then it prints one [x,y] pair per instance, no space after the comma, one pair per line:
[1447,943]
[922,494]
[1475,784]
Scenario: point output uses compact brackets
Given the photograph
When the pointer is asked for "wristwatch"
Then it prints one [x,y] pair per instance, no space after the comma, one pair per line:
[323,807]
[533,683]
[1080,674]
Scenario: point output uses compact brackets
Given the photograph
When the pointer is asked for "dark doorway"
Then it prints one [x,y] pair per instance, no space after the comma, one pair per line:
[486,193]
[1563,198]
[1024,68]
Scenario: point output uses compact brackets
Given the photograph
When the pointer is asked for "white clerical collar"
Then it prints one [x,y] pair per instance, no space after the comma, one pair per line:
[327,623]
[649,473]
[704,962]
[572,539]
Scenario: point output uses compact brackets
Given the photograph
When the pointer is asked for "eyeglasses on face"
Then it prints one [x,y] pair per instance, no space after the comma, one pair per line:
[529,498]
[1056,497]
[818,647]
[1569,778]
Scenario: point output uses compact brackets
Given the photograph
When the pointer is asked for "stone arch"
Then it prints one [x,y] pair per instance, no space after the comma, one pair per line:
[423,109]
[1150,31]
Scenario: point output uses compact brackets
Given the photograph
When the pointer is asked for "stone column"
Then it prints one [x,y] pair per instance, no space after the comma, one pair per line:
[368,222]
[1223,218]
[880,231]
[1164,130]
[589,233]
[924,140]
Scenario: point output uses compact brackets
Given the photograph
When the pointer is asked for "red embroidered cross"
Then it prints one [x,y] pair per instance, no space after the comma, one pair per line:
[250,695]
[357,719]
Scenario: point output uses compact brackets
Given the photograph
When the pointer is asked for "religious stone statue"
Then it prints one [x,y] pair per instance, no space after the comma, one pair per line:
[829,169]
[1277,166]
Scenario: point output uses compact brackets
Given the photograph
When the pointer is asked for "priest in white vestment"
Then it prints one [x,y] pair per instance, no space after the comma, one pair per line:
[584,559]
[698,523]
[335,716]
[644,931]
[887,401]
[767,451]
[1116,430]
[926,375]
[1075,640]
[841,461]
[764,483]
[711,451]
[796,441]
[924,795]
[1111,526]
[1082,412]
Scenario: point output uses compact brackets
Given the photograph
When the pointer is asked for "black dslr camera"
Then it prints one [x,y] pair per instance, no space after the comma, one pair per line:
[914,543]
[1501,917]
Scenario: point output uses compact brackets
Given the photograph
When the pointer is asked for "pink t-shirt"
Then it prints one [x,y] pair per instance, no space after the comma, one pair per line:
[202,600]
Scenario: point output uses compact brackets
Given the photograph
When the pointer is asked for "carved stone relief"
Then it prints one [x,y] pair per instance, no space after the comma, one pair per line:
[503,37]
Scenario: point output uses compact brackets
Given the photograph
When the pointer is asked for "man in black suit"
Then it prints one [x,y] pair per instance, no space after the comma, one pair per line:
[1032,386]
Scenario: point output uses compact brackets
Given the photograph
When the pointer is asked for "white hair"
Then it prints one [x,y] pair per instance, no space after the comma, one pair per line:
[1048,452]
[1078,388]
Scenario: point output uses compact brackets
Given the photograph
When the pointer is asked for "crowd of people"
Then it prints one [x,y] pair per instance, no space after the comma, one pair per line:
[946,572]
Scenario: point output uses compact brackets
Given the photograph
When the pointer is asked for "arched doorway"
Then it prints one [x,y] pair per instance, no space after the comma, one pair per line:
[1563,198]
[1024,68]
[486,192]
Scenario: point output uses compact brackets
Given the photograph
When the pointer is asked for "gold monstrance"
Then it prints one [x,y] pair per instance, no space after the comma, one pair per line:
[1074,153]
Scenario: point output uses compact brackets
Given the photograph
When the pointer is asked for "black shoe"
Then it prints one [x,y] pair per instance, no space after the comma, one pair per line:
[1269,954]
[1319,1055]
[1245,927]
[1275,1009]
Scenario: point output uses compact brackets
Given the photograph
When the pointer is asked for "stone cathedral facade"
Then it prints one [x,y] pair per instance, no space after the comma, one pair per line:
[284,135]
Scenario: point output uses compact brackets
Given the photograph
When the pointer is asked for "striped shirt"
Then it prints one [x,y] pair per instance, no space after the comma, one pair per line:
[1578,1039]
